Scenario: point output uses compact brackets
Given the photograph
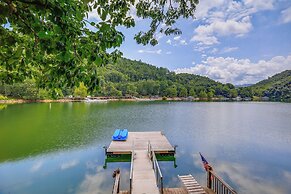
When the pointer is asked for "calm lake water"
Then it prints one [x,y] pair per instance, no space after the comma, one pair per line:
[57,148]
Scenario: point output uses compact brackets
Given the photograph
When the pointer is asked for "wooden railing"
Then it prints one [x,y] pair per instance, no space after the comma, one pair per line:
[131,169]
[131,173]
[116,185]
[156,167]
[215,183]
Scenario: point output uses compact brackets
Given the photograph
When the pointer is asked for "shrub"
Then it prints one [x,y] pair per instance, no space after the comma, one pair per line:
[80,91]
[3,97]
[43,94]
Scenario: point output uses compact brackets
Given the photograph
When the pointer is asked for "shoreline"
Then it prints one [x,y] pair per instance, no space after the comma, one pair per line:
[22,101]
[109,99]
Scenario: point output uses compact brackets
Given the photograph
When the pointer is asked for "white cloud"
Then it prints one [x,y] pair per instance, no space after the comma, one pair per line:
[177,40]
[93,184]
[214,51]
[206,34]
[36,166]
[69,164]
[201,48]
[177,37]
[286,15]
[228,49]
[159,35]
[151,51]
[208,10]
[168,52]
[247,180]
[260,4]
[205,6]
[169,42]
[183,42]
[96,183]
[204,39]
[159,51]
[238,71]
[226,18]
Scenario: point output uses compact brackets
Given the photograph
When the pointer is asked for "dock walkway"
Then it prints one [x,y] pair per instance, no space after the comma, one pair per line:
[144,180]
[145,174]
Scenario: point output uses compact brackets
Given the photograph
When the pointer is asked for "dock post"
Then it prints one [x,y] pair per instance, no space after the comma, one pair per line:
[162,186]
[175,148]
[209,185]
[105,149]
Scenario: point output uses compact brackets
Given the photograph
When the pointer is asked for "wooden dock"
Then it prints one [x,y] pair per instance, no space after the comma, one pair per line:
[145,173]
[139,141]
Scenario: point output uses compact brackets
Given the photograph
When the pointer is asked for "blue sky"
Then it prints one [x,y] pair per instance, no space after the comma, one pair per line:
[240,42]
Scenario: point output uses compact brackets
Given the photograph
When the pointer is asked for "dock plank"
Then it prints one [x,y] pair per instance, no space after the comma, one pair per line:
[144,180]
[139,141]
[175,191]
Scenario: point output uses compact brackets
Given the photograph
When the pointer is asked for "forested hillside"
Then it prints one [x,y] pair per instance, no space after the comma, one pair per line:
[135,78]
[277,87]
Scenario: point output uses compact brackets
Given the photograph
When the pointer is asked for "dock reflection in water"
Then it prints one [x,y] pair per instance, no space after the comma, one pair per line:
[59,150]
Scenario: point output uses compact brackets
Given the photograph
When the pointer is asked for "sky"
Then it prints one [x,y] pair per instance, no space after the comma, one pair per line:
[238,42]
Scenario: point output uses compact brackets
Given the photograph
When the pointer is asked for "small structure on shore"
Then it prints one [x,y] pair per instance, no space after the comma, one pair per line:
[145,150]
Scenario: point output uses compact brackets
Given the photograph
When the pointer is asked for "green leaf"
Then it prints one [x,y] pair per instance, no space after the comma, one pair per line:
[98,61]
[42,34]
[104,14]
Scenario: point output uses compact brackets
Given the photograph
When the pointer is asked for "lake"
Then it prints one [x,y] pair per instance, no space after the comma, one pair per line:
[58,147]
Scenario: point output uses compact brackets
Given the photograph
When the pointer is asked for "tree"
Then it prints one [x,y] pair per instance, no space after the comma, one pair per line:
[192,93]
[43,94]
[202,94]
[172,91]
[131,89]
[51,40]
[80,91]
[163,87]
[110,90]
[245,92]
[210,94]
[57,93]
[233,93]
[183,92]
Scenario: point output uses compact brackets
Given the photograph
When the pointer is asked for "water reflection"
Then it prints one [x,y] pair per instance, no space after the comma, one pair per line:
[3,106]
[59,150]
[247,178]
[95,182]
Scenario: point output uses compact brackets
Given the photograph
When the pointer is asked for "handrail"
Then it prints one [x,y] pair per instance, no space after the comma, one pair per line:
[217,184]
[131,169]
[149,150]
[156,167]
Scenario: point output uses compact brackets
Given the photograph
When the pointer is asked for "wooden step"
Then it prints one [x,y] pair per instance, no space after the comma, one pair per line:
[191,185]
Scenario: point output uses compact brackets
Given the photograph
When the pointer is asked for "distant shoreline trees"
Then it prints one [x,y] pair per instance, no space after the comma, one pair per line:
[128,78]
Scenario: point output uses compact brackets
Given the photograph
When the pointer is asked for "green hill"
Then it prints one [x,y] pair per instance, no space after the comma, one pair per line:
[277,87]
[135,78]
